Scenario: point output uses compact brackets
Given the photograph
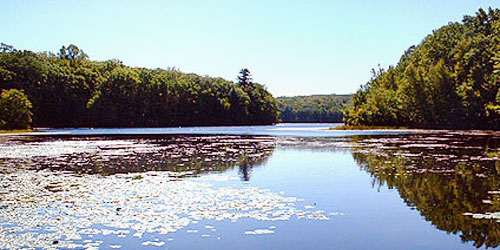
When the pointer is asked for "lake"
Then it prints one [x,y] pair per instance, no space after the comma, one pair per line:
[288,186]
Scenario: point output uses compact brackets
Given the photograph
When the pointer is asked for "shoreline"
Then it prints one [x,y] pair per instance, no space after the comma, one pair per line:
[277,129]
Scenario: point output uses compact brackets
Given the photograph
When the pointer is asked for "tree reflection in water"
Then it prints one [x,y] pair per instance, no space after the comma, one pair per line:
[248,162]
[189,155]
[443,176]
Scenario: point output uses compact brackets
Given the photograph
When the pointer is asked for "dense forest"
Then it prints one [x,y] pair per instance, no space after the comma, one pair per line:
[315,108]
[69,90]
[450,80]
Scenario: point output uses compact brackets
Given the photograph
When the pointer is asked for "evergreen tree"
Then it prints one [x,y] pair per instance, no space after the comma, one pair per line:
[245,78]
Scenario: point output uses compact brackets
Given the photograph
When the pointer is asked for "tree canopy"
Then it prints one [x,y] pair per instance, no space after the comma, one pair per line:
[15,110]
[69,90]
[450,80]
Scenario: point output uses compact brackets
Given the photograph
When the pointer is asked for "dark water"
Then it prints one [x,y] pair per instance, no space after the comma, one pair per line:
[389,190]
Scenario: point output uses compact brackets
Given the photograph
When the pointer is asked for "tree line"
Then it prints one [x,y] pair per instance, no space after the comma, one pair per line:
[69,90]
[450,80]
[315,108]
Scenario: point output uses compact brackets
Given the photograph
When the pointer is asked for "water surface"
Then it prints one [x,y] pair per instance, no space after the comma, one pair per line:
[297,188]
[284,129]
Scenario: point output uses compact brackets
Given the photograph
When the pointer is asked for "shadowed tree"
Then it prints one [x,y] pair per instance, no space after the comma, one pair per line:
[71,52]
[245,78]
[7,48]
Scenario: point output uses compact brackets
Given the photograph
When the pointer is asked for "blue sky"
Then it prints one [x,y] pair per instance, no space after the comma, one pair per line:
[293,47]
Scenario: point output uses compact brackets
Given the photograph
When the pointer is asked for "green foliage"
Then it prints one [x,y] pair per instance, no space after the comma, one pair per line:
[316,108]
[14,110]
[450,80]
[68,90]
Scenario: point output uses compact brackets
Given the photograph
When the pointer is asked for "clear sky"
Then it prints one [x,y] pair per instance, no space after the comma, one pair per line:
[293,47]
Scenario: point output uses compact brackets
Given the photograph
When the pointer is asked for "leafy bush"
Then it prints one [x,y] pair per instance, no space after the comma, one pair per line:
[14,110]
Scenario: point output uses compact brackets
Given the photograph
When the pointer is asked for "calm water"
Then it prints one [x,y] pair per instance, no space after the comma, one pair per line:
[286,129]
[291,186]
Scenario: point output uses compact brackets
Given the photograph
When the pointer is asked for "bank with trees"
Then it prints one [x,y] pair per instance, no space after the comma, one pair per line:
[450,80]
[69,90]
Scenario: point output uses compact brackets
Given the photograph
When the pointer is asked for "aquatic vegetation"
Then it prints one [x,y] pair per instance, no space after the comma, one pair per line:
[70,192]
[259,231]
[450,177]
[42,209]
[110,155]
[61,192]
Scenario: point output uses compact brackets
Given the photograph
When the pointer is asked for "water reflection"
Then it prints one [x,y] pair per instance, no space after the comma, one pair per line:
[61,192]
[447,177]
[112,155]
[451,178]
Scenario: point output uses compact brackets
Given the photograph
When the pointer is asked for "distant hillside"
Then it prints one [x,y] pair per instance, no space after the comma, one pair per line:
[315,108]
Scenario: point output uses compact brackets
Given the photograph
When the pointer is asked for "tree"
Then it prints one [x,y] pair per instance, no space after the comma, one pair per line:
[7,48]
[245,78]
[314,108]
[71,52]
[14,110]
[450,80]
[68,90]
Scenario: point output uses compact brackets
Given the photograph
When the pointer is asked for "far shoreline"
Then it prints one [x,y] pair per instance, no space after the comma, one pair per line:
[366,127]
